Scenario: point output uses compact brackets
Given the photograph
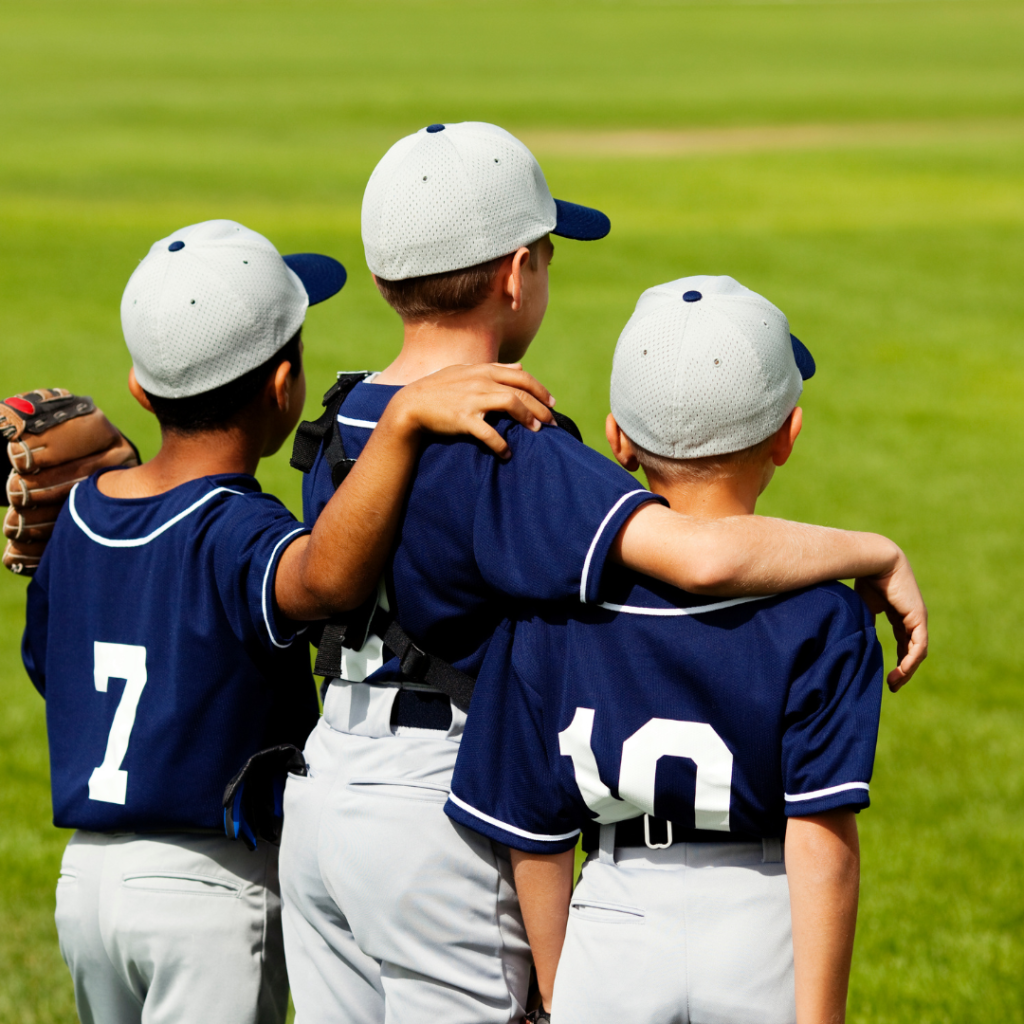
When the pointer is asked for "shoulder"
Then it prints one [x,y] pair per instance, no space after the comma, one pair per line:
[833,606]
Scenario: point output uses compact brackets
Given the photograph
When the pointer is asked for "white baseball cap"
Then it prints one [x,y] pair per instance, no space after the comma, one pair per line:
[455,195]
[705,367]
[214,300]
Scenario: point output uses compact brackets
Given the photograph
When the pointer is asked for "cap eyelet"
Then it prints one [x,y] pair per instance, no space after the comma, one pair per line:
[192,303]
[645,351]
[245,261]
[718,362]
[424,177]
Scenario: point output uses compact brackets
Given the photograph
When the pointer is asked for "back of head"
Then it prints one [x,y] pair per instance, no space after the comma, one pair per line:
[208,308]
[705,367]
[453,198]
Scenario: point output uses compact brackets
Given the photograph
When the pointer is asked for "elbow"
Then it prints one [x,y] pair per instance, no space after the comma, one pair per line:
[334,596]
[714,573]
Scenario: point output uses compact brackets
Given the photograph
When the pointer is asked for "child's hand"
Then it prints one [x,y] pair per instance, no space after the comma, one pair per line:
[456,399]
[897,595]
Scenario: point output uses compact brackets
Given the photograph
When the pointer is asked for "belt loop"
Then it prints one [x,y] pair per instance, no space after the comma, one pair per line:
[606,844]
[771,851]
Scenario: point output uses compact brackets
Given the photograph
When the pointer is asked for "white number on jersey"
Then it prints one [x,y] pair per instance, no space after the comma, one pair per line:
[638,768]
[117,661]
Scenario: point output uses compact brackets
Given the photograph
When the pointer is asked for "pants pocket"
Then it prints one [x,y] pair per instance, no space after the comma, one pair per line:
[180,883]
[600,912]
[409,788]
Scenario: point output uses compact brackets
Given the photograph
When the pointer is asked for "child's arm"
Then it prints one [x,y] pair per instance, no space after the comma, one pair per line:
[823,867]
[756,555]
[336,567]
[544,885]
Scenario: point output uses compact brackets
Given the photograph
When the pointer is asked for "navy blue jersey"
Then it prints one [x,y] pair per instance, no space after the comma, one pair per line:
[151,631]
[722,716]
[479,533]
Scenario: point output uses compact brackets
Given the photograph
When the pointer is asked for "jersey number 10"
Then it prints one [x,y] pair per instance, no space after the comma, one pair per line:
[108,782]
[660,737]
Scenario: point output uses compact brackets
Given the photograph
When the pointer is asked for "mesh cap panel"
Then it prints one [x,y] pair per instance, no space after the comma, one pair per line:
[449,199]
[708,376]
[209,310]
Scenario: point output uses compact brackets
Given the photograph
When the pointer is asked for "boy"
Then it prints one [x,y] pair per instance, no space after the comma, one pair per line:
[392,911]
[184,581]
[739,723]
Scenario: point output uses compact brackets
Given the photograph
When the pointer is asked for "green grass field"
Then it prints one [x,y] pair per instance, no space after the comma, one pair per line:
[860,164]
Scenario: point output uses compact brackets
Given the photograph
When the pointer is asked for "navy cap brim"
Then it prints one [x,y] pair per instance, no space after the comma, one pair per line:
[580,222]
[321,276]
[804,360]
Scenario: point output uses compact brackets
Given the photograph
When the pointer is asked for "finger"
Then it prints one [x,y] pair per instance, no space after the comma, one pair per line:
[513,376]
[52,486]
[916,652]
[30,524]
[483,431]
[527,409]
[74,439]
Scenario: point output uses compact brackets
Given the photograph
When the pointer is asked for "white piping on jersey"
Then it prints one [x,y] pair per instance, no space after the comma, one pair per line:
[266,578]
[136,542]
[827,792]
[347,421]
[597,536]
[510,828]
[637,609]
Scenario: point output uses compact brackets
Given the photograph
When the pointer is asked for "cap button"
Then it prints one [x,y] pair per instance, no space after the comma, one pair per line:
[432,129]
[175,246]
[692,296]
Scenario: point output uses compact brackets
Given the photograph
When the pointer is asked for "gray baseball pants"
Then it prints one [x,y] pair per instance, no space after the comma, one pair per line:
[393,914]
[699,933]
[167,929]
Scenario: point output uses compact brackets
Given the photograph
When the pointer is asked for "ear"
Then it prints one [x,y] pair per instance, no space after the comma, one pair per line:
[279,387]
[786,435]
[513,277]
[622,447]
[138,394]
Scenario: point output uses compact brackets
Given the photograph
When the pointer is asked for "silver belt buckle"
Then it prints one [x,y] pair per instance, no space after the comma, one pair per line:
[647,835]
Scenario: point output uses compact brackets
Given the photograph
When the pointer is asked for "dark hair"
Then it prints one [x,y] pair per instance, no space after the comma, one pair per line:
[215,409]
[455,291]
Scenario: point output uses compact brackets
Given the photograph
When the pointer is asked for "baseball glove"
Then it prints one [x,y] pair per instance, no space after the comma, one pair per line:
[54,439]
[253,799]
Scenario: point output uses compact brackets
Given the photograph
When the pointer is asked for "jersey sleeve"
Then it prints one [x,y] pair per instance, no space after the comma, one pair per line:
[37,627]
[832,713]
[252,534]
[504,785]
[545,520]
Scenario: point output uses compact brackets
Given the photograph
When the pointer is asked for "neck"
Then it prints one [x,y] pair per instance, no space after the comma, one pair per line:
[432,345]
[734,495]
[185,457]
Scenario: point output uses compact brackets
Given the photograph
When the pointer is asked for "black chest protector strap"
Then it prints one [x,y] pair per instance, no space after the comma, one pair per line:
[309,436]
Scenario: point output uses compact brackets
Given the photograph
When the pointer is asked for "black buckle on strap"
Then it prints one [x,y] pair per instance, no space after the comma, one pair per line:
[414,663]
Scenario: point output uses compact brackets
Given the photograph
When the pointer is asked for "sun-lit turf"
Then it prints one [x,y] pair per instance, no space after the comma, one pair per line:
[898,262]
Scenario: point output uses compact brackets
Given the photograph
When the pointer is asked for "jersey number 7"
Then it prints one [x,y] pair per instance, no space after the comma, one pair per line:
[108,782]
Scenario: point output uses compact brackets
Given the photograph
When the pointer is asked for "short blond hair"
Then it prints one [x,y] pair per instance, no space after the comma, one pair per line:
[705,469]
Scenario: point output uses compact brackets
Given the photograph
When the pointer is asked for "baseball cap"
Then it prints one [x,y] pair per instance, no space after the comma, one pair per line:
[214,300]
[704,367]
[455,195]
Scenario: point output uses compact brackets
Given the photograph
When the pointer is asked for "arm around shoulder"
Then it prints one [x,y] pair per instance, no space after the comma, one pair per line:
[740,555]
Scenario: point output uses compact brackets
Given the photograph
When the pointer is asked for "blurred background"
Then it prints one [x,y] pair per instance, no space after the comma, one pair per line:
[860,164]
